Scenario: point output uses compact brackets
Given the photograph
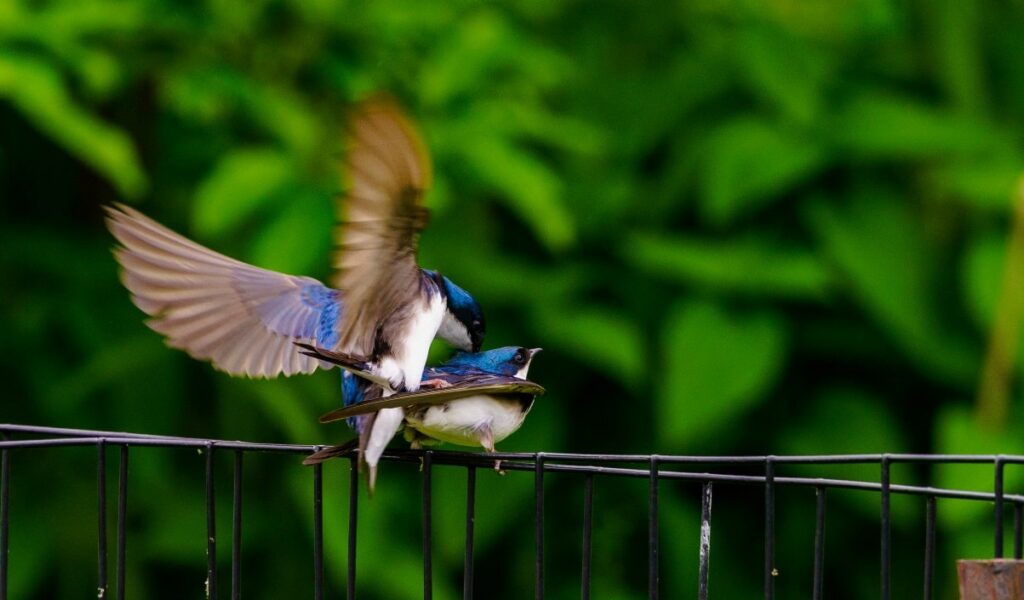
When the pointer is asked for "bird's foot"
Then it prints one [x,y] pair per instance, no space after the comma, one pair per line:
[435,384]
[487,441]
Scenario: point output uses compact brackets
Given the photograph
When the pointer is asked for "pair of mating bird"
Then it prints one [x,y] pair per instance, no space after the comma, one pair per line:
[377,325]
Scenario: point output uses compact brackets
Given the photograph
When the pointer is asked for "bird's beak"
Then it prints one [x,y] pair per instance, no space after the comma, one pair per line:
[534,351]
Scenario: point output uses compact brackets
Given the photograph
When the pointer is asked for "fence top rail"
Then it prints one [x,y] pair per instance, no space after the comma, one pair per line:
[70,436]
[664,467]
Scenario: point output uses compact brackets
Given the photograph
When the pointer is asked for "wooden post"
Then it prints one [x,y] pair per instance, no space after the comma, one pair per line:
[997,579]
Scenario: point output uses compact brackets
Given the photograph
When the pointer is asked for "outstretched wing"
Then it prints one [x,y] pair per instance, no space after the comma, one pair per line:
[240,317]
[382,215]
[473,385]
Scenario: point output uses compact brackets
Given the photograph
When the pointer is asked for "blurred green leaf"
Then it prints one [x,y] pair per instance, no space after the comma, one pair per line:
[883,252]
[243,182]
[982,273]
[747,162]
[299,241]
[957,431]
[783,68]
[987,183]
[35,87]
[601,337]
[747,265]
[880,125]
[527,186]
[982,277]
[716,367]
[215,93]
[868,425]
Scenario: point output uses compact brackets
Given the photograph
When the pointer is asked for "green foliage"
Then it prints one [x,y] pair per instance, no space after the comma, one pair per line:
[735,227]
[704,384]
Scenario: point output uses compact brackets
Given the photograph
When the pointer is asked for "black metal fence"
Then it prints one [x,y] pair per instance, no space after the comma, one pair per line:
[653,468]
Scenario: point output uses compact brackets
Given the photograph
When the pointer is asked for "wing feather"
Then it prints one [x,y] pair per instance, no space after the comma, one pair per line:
[484,383]
[381,217]
[242,318]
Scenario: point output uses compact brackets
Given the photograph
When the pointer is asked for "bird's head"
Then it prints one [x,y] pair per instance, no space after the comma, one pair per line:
[463,325]
[511,361]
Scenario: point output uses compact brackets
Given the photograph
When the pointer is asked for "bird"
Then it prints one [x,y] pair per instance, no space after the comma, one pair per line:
[484,398]
[393,308]
[381,306]
[241,318]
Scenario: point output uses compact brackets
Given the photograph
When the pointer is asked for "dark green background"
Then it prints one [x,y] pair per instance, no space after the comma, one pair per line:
[735,227]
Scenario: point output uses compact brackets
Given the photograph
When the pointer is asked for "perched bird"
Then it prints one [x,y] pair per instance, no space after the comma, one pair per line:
[483,399]
[385,307]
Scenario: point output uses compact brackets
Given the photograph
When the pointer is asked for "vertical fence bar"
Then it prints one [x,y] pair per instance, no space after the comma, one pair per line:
[705,542]
[538,504]
[467,563]
[1018,531]
[101,519]
[652,532]
[353,521]
[236,528]
[819,544]
[769,528]
[588,526]
[428,566]
[929,547]
[999,507]
[211,525]
[885,533]
[318,531]
[5,517]
[122,517]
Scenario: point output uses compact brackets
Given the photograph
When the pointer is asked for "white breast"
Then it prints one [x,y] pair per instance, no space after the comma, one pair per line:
[407,361]
[459,421]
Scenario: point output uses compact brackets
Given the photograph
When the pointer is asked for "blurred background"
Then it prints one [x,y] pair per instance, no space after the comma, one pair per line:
[735,227]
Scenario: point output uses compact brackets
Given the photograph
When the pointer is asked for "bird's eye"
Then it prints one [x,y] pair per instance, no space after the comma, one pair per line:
[519,358]
[477,325]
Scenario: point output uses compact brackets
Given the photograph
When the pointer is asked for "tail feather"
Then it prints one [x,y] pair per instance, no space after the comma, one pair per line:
[332,452]
[342,359]
[357,365]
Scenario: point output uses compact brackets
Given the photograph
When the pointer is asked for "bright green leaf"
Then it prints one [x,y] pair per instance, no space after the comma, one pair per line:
[298,240]
[746,265]
[529,188]
[748,162]
[603,338]
[241,183]
[987,183]
[880,125]
[716,367]
[957,431]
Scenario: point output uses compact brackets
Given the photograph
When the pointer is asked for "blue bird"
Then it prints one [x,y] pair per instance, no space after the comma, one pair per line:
[241,318]
[383,307]
[480,399]
[393,308]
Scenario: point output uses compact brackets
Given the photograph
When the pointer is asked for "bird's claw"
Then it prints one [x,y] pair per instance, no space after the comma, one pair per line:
[435,384]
